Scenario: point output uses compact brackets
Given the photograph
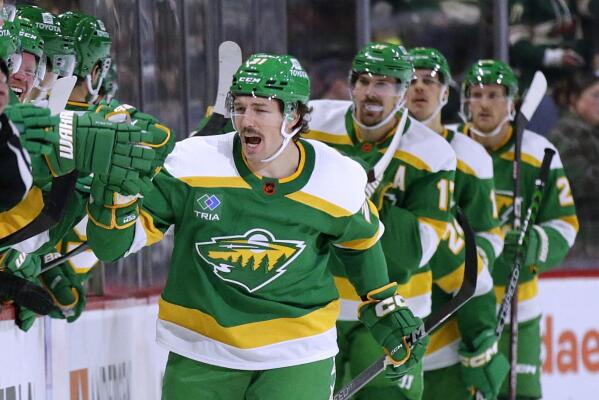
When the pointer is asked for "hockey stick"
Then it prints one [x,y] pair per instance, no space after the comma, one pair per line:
[375,175]
[56,262]
[61,91]
[434,320]
[25,293]
[529,220]
[229,60]
[536,91]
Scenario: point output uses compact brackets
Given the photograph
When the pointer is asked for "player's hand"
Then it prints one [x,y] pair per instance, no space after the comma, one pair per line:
[391,322]
[530,244]
[32,123]
[66,288]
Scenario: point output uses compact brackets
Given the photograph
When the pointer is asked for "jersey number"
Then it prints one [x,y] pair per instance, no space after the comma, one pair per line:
[565,195]
[445,190]
[454,235]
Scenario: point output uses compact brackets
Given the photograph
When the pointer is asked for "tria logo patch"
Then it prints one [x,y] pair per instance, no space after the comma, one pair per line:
[205,205]
[252,260]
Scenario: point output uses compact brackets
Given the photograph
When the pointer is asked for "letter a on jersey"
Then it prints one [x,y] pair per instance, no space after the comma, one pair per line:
[252,260]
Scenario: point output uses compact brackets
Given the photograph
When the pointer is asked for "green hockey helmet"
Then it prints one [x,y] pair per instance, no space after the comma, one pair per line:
[431,58]
[32,42]
[274,77]
[488,72]
[386,59]
[92,41]
[10,46]
[59,49]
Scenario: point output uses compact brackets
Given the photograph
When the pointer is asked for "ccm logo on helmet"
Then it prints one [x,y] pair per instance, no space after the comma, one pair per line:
[249,79]
[389,305]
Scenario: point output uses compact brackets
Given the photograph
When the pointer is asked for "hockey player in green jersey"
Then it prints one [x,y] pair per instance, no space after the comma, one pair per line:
[472,332]
[250,304]
[487,104]
[412,196]
[33,62]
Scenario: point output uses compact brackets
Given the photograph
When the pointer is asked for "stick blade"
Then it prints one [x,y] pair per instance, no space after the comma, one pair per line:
[534,95]
[61,91]
[229,60]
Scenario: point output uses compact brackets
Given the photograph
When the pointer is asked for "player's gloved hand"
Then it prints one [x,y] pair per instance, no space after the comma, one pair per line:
[531,244]
[25,318]
[32,122]
[23,265]
[483,367]
[67,291]
[91,144]
[162,140]
[391,322]
[110,209]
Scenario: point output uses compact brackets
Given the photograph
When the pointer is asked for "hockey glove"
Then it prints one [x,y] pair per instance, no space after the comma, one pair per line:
[109,209]
[66,288]
[32,122]
[531,245]
[25,318]
[390,322]
[483,369]
[162,140]
[23,265]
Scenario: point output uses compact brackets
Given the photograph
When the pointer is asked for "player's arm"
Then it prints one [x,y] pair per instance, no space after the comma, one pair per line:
[476,197]
[115,232]
[415,227]
[16,178]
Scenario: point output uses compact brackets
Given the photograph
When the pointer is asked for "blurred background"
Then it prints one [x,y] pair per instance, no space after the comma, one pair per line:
[166,57]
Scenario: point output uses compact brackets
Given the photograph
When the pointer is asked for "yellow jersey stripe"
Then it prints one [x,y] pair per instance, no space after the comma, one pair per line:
[328,137]
[439,226]
[300,167]
[526,291]
[418,285]
[453,281]
[216,181]
[320,204]
[571,220]
[21,214]
[446,334]
[411,159]
[253,334]
[361,244]
[153,234]
[465,168]
[527,158]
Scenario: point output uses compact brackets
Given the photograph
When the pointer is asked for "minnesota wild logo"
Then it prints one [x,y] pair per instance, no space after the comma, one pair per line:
[252,260]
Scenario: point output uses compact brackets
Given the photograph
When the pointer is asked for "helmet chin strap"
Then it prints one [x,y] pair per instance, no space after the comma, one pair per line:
[286,139]
[400,103]
[442,102]
[93,92]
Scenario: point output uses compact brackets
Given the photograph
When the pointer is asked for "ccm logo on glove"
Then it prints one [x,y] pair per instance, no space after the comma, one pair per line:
[389,304]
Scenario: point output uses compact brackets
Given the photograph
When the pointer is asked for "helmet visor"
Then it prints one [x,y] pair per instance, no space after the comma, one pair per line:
[14,62]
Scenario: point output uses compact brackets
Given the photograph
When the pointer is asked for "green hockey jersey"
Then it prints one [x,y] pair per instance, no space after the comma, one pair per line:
[413,198]
[249,285]
[556,224]
[474,193]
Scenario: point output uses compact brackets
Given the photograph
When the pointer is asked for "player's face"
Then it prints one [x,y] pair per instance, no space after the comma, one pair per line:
[374,97]
[423,95]
[3,91]
[258,121]
[587,105]
[488,106]
[21,81]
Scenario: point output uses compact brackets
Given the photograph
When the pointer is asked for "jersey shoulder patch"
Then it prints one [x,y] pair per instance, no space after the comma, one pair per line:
[425,149]
[337,179]
[327,121]
[203,156]
[472,157]
[533,150]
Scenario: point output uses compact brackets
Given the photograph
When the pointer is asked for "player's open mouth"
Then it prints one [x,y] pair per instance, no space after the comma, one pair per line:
[252,141]
[373,108]
[18,91]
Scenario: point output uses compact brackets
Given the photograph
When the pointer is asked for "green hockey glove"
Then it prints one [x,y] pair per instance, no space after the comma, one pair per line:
[484,368]
[162,140]
[32,122]
[67,291]
[391,322]
[25,318]
[23,265]
[109,209]
[510,247]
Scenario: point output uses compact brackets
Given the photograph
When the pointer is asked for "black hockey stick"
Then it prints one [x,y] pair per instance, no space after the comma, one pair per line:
[434,320]
[229,60]
[57,261]
[529,220]
[25,293]
[534,95]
